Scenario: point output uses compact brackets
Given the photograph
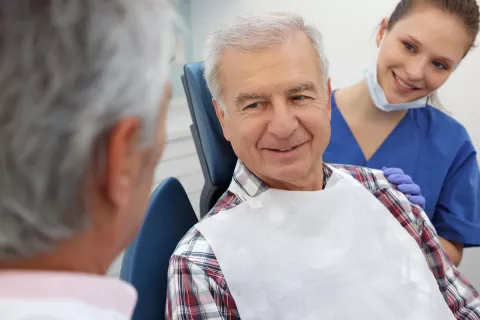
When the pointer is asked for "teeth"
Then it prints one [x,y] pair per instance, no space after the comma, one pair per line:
[285,149]
[404,84]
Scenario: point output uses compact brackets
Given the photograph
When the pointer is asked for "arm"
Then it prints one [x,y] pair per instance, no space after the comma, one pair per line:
[461,297]
[194,294]
[453,249]
[457,212]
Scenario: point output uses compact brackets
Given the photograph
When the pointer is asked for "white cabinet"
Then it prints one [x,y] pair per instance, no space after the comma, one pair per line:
[180,158]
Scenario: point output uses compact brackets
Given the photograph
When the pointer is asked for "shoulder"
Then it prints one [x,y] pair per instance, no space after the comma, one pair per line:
[193,242]
[437,122]
[409,215]
[372,179]
[445,135]
[376,182]
[194,247]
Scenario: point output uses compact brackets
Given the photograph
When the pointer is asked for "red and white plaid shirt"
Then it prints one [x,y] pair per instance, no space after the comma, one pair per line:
[197,289]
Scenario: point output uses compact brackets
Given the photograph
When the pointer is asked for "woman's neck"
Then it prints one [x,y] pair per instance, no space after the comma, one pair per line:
[355,102]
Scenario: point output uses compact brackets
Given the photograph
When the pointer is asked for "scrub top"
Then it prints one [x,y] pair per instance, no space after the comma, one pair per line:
[437,152]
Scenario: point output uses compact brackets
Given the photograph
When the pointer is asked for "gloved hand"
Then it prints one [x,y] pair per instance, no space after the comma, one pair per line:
[405,184]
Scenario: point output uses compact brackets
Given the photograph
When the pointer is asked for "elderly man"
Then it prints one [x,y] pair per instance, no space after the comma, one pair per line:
[293,237]
[83,95]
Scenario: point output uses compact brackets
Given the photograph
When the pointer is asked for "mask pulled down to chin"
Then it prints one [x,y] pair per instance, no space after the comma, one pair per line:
[378,95]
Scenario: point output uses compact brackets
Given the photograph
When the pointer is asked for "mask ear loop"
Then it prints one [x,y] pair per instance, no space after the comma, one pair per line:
[378,54]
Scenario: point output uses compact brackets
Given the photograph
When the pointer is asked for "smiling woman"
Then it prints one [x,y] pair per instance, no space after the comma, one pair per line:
[412,63]
[387,119]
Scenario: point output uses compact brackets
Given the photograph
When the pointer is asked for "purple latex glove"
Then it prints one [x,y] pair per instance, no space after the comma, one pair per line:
[405,184]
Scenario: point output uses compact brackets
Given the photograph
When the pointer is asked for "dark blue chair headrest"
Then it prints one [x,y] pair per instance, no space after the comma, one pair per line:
[215,153]
[145,263]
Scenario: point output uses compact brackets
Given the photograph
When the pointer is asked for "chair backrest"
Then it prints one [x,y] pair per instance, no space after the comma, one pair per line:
[145,263]
[214,152]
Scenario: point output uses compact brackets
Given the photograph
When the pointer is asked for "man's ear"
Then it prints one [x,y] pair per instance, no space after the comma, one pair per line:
[382,29]
[122,161]
[330,96]
[222,117]
[329,87]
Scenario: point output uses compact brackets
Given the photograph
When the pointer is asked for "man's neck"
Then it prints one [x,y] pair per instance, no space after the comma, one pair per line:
[75,255]
[313,181]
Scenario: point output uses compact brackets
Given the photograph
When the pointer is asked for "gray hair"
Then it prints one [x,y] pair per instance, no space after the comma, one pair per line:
[257,32]
[69,70]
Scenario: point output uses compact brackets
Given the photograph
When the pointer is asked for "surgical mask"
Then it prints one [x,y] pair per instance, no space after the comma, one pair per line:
[378,95]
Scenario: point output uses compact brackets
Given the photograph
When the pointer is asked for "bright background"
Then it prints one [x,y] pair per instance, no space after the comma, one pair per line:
[348,27]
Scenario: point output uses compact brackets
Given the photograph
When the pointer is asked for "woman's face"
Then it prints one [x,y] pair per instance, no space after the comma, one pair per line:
[419,53]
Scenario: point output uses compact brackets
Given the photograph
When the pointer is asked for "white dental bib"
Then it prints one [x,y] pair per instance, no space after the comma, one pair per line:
[336,254]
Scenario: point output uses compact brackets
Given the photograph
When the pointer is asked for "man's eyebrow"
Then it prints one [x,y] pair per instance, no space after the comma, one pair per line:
[305,86]
[245,96]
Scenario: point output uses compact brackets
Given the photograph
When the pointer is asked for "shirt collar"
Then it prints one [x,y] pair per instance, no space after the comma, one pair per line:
[253,186]
[100,291]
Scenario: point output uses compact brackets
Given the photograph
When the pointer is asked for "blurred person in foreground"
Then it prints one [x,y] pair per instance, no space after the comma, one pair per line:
[83,96]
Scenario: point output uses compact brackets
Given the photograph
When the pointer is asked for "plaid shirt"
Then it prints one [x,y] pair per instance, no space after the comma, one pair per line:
[197,289]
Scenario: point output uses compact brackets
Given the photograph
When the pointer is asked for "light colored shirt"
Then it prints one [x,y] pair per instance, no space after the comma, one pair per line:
[198,289]
[64,296]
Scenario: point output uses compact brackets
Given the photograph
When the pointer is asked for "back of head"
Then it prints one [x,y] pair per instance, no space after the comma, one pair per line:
[255,33]
[69,70]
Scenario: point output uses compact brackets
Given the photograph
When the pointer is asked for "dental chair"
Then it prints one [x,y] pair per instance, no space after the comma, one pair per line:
[216,155]
[145,263]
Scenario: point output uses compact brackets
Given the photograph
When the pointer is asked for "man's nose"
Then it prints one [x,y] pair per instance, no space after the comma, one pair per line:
[283,121]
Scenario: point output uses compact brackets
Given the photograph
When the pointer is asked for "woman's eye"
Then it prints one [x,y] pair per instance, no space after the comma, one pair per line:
[409,47]
[439,65]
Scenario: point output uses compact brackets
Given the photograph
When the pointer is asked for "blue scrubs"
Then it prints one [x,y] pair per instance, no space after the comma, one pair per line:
[437,152]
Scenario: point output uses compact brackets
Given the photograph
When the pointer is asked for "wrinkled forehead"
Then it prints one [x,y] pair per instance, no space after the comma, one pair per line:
[275,69]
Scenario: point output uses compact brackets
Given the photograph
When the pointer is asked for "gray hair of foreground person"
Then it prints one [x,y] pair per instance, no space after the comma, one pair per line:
[69,70]
[255,33]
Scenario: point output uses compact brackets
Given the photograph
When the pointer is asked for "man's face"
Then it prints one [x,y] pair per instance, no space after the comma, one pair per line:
[278,111]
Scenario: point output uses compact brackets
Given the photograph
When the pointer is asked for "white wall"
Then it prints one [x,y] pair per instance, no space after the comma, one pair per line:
[348,27]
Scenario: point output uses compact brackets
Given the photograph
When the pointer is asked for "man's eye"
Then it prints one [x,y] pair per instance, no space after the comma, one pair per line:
[299,98]
[253,105]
